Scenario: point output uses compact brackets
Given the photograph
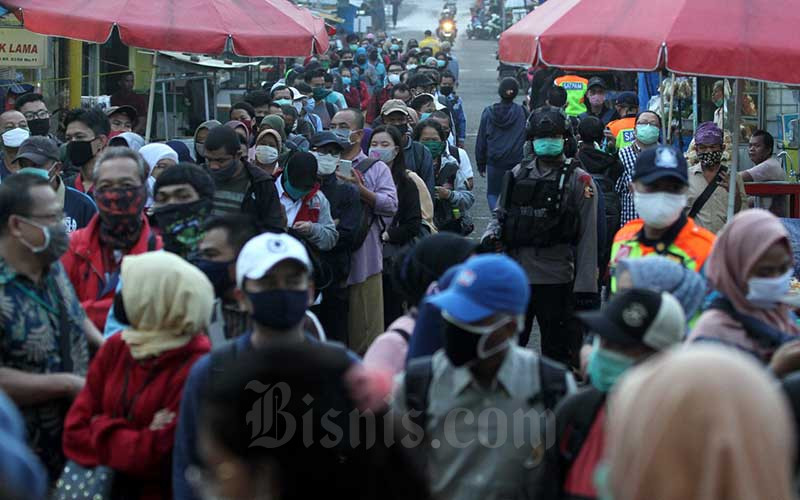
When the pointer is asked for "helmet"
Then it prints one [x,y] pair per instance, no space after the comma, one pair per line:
[547,121]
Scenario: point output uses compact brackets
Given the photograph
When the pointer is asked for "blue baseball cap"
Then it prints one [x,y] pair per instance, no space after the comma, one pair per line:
[483,286]
[660,162]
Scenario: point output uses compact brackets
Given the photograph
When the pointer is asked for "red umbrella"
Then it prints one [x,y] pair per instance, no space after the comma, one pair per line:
[751,39]
[258,28]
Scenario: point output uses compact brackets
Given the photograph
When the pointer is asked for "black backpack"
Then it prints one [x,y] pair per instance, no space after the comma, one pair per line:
[612,204]
[367,213]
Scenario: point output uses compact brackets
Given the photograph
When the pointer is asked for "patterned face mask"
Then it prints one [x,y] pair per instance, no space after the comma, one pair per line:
[709,159]
[181,226]
[121,215]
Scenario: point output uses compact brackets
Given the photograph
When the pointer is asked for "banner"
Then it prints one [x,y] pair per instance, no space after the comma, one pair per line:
[20,48]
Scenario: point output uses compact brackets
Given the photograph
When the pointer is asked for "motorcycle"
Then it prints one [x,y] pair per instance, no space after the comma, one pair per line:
[494,26]
[447,31]
[478,31]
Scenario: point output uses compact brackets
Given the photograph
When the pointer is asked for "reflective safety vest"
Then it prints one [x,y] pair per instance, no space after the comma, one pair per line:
[689,249]
[576,88]
[624,131]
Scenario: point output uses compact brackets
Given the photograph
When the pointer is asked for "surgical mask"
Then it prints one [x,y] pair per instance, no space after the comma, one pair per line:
[326,164]
[386,155]
[548,146]
[659,210]
[411,67]
[225,173]
[394,47]
[80,152]
[597,99]
[709,159]
[56,240]
[719,102]
[393,78]
[218,273]
[39,126]
[647,134]
[15,137]
[310,104]
[343,134]
[440,63]
[200,149]
[181,225]
[766,293]
[353,47]
[284,102]
[266,155]
[298,105]
[279,309]
[446,90]
[424,116]
[346,81]
[435,147]
[465,344]
[293,192]
[605,367]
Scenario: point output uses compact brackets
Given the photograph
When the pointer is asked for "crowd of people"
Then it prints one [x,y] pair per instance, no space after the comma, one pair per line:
[293,293]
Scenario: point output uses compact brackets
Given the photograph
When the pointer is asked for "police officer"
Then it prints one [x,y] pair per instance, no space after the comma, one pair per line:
[547,220]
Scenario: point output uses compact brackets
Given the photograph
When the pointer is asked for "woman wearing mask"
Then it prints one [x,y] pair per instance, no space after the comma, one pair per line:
[244,138]
[751,266]
[351,90]
[385,144]
[268,148]
[200,140]
[158,157]
[133,388]
[648,130]
[725,432]
[424,105]
[453,197]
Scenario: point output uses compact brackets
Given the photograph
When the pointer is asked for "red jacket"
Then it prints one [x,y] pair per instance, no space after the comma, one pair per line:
[96,433]
[85,267]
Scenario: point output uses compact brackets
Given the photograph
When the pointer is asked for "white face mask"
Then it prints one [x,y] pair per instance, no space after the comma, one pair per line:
[266,155]
[15,137]
[659,210]
[394,79]
[411,67]
[326,164]
[766,293]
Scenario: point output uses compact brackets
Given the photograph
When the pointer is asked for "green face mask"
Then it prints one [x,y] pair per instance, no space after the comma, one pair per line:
[283,102]
[719,102]
[605,367]
[293,192]
[436,148]
[647,134]
[548,146]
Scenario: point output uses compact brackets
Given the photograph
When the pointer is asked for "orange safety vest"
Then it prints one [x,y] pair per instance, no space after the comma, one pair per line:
[576,88]
[626,126]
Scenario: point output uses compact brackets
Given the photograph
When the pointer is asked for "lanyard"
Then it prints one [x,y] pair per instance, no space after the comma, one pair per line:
[35,296]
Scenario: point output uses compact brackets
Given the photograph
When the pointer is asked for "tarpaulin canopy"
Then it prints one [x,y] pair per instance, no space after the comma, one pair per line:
[751,39]
[257,28]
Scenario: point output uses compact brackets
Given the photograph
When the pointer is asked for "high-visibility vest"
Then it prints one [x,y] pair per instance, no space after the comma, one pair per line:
[624,131]
[576,88]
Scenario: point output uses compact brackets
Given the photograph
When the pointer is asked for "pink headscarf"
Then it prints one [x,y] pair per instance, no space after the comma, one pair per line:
[234,124]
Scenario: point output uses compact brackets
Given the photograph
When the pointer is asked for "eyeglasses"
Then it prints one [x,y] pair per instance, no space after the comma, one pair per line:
[39,115]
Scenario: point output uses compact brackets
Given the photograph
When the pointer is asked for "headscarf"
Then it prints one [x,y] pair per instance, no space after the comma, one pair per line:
[274,133]
[206,125]
[182,149]
[155,152]
[275,122]
[736,251]
[234,124]
[708,133]
[132,140]
[699,423]
[166,300]
[664,275]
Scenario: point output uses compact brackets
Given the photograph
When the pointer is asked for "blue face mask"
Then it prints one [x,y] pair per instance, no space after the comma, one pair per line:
[310,104]
[440,63]
[346,81]
[424,116]
[606,366]
[548,146]
[647,134]
[394,47]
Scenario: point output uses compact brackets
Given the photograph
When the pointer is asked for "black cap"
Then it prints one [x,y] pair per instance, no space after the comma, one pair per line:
[125,110]
[591,129]
[660,162]
[627,99]
[596,81]
[327,137]
[509,88]
[547,121]
[39,150]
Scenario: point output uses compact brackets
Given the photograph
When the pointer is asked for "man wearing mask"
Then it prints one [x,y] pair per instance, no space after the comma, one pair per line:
[660,183]
[308,213]
[447,96]
[40,155]
[380,97]
[620,132]
[646,134]
[376,189]
[546,219]
[709,181]
[260,101]
[452,64]
[346,210]
[13,132]
[481,367]
[634,326]
[182,198]
[367,71]
[305,103]
[38,373]
[418,158]
[239,186]
[597,104]
[33,107]
[120,228]
[322,108]
[274,286]
[86,135]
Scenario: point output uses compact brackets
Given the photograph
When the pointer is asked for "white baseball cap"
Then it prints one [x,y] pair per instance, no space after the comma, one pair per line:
[263,252]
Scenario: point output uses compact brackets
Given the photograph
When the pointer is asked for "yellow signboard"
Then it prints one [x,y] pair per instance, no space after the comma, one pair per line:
[20,48]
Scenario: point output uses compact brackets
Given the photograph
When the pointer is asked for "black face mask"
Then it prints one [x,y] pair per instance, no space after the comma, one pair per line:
[460,346]
[80,152]
[347,63]
[224,174]
[361,60]
[39,126]
[218,274]
[445,90]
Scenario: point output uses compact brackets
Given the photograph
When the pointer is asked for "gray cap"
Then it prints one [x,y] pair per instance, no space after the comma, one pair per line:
[39,150]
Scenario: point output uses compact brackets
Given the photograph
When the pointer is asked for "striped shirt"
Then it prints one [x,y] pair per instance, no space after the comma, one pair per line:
[229,195]
[628,158]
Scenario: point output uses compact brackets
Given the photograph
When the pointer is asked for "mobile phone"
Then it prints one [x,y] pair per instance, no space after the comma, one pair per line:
[346,168]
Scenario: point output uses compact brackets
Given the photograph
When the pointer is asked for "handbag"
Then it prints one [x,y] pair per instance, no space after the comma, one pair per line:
[95,483]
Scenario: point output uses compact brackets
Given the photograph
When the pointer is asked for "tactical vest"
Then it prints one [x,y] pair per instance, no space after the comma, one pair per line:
[536,212]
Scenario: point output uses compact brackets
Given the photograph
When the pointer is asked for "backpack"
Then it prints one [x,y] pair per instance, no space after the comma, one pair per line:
[367,214]
[613,207]
[454,153]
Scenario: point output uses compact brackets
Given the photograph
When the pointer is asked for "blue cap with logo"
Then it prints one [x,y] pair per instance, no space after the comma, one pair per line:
[483,286]
[660,162]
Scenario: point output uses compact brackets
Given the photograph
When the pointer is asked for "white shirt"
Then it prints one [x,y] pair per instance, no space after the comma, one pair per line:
[465,165]
[290,206]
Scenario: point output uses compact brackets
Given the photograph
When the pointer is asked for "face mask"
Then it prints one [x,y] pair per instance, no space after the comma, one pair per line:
[223,174]
[766,293]
[659,210]
[386,155]
[181,226]
[393,79]
[605,367]
[266,155]
[466,344]
[394,47]
[361,61]
[298,106]
[320,93]
[325,64]
[326,164]
[441,64]
[284,102]
[597,99]
[279,309]
[446,90]
[435,147]
[200,149]
[15,137]
[80,152]
[120,211]
[293,192]
[56,241]
[347,63]
[548,146]
[353,47]
[346,81]
[719,102]
[411,67]
[709,159]
[310,104]
[343,134]
[218,274]
[647,134]
[39,126]
[424,116]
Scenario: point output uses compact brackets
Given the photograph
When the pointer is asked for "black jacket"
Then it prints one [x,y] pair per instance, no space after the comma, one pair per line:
[408,219]
[345,208]
[261,200]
